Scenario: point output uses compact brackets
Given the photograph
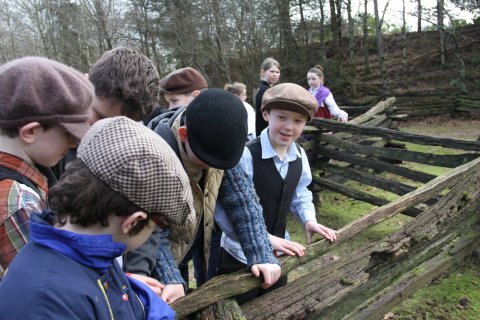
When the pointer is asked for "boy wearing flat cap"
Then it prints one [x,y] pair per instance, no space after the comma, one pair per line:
[125,181]
[44,111]
[178,89]
[281,173]
[181,86]
[210,134]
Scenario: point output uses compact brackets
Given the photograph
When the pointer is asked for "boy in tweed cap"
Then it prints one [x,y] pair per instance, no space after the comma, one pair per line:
[281,173]
[125,181]
[178,89]
[181,86]
[44,111]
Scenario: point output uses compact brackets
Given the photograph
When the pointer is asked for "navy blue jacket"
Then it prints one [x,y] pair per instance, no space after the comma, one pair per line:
[64,275]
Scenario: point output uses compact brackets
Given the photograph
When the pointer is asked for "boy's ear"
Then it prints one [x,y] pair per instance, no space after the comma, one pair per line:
[27,132]
[182,132]
[132,220]
[195,93]
[265,115]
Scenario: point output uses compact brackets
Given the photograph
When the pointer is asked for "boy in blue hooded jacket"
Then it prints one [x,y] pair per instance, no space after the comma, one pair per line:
[125,181]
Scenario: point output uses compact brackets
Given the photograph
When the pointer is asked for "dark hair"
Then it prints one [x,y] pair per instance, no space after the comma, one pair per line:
[14,132]
[128,77]
[318,70]
[235,88]
[86,200]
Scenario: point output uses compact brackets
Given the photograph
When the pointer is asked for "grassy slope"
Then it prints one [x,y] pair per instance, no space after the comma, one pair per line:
[455,295]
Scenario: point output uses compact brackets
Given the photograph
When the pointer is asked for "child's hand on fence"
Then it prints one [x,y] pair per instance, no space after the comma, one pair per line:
[312,227]
[271,273]
[152,283]
[286,246]
[172,292]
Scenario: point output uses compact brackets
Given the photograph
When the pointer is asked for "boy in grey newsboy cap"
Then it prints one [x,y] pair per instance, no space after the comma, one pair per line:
[125,181]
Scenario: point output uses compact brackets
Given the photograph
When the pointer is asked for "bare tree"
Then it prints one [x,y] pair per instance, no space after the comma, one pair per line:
[334,24]
[441,30]
[351,46]
[8,32]
[322,30]
[419,16]
[303,23]
[378,36]
[284,25]
[99,12]
[404,35]
[365,36]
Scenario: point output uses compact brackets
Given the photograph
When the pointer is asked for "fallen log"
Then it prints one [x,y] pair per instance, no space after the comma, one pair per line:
[375,164]
[388,134]
[441,160]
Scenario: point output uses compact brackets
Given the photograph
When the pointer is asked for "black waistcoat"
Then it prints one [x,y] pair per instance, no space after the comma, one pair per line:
[274,192]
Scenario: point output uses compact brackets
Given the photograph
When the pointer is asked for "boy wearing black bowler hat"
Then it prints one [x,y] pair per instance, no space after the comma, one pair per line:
[210,134]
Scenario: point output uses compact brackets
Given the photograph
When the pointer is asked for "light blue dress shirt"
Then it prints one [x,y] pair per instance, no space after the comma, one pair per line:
[302,206]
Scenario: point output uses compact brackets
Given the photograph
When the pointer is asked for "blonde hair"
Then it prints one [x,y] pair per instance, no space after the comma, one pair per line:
[236,88]
[268,63]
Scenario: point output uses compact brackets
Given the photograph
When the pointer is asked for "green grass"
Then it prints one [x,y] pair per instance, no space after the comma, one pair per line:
[456,295]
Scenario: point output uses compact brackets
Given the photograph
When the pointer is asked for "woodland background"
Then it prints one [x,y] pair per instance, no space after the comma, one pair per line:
[364,57]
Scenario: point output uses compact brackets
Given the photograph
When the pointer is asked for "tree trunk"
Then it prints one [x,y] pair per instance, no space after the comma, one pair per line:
[419,16]
[285,25]
[404,35]
[365,37]
[441,31]
[303,23]
[323,54]
[381,58]
[334,25]
[351,51]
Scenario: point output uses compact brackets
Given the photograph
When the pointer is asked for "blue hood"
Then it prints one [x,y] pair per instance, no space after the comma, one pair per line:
[95,251]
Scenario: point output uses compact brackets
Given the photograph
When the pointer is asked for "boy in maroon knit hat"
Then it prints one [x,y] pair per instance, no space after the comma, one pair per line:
[44,111]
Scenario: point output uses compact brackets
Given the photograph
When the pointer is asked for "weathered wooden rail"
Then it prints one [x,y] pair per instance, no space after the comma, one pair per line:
[367,281]
[412,107]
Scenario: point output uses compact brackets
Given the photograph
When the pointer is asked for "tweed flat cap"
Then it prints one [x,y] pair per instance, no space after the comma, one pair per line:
[292,97]
[183,80]
[36,89]
[217,128]
[134,161]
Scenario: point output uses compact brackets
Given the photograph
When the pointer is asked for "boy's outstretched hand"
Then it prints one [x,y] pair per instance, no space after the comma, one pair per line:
[271,273]
[312,227]
[172,292]
[152,283]
[286,246]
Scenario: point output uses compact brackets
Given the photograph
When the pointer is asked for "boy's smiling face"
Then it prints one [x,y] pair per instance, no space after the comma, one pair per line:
[284,126]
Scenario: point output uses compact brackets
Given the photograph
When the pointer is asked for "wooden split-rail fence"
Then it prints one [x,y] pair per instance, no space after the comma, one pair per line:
[366,281]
